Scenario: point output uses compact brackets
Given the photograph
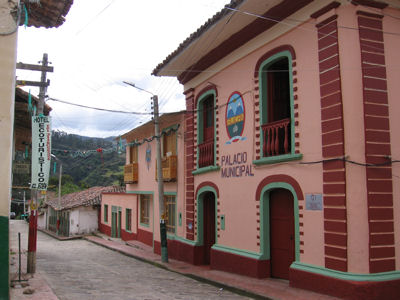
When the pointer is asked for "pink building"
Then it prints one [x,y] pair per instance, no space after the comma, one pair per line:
[290,153]
[135,214]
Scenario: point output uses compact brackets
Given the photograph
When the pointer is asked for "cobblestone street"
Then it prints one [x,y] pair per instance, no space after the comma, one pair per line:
[78,269]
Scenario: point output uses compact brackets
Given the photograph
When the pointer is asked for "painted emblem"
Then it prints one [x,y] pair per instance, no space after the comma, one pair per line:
[148,156]
[235,117]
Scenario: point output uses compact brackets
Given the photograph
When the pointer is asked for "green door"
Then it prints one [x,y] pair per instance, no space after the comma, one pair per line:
[119,223]
[113,224]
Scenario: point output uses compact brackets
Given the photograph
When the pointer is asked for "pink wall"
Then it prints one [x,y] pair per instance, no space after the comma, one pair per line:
[147,182]
[120,200]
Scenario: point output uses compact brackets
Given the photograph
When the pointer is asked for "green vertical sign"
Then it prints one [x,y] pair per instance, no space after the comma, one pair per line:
[41,152]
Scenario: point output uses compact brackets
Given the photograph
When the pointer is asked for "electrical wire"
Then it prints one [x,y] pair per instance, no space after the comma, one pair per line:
[344,159]
[98,108]
[95,17]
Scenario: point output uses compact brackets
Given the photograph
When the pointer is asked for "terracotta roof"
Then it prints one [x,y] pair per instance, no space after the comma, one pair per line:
[91,196]
[46,13]
[210,22]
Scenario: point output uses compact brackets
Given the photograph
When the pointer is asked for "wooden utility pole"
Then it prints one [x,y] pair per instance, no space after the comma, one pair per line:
[43,84]
[163,228]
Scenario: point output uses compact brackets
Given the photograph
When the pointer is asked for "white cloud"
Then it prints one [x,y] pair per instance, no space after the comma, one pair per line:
[101,44]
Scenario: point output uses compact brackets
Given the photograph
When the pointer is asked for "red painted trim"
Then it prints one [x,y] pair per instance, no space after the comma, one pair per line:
[334,200]
[208,88]
[105,229]
[336,252]
[280,178]
[367,14]
[271,53]
[345,289]
[207,183]
[146,237]
[370,3]
[189,91]
[334,182]
[189,159]
[376,128]
[382,252]
[127,236]
[325,22]
[378,266]
[336,264]
[229,262]
[325,9]
[381,226]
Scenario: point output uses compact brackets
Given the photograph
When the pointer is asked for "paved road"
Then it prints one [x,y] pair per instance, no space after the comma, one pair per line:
[78,269]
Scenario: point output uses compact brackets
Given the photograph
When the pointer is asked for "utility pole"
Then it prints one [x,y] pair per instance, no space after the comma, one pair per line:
[32,240]
[24,203]
[163,228]
[59,195]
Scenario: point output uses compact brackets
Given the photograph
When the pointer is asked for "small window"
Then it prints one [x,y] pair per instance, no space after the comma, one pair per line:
[128,226]
[105,213]
[145,209]
[169,208]
[133,154]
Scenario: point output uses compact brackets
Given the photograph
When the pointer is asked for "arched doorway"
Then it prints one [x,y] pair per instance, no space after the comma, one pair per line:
[208,225]
[281,231]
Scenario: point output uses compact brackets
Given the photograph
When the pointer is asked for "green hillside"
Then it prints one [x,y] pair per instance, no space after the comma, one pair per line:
[86,166]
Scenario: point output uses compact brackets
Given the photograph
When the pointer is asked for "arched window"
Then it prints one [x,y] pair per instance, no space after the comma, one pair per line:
[276,92]
[206,129]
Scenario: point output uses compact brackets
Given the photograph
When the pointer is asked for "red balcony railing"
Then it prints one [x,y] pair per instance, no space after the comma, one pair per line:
[276,137]
[206,154]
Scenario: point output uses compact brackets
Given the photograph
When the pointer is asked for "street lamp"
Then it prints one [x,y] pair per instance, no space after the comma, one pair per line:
[59,192]
[163,229]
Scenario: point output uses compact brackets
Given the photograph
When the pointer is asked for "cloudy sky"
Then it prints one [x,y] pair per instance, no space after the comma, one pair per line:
[103,43]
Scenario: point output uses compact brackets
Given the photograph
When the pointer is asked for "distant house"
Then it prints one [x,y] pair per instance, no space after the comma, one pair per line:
[135,213]
[79,212]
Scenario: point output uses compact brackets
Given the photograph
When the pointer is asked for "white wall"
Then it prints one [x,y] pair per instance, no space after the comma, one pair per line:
[83,220]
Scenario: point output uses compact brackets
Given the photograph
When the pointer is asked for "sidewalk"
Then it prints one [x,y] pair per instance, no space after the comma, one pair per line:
[252,287]
[34,286]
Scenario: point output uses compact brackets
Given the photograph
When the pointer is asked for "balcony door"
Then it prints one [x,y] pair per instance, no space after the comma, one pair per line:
[276,127]
[206,142]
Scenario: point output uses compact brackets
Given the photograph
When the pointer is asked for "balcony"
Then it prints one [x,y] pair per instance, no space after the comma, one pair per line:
[131,173]
[206,154]
[168,165]
[276,138]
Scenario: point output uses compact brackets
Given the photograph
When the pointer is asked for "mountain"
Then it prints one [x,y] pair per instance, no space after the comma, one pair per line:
[89,161]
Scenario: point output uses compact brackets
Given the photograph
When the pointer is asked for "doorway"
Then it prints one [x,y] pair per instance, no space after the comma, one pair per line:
[208,225]
[282,239]
[116,216]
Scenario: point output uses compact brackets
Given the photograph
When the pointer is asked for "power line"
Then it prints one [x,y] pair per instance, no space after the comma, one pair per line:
[101,109]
